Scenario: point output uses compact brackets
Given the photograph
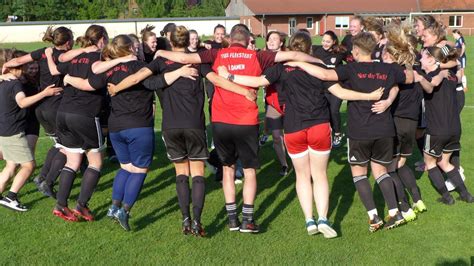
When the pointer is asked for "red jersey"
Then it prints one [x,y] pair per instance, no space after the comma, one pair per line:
[228,107]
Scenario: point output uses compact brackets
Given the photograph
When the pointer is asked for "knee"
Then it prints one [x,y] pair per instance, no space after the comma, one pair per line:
[29,166]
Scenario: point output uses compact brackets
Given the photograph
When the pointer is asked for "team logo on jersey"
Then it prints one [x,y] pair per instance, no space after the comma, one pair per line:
[333,60]
[377,54]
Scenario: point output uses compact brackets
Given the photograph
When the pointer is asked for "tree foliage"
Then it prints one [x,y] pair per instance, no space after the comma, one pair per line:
[46,10]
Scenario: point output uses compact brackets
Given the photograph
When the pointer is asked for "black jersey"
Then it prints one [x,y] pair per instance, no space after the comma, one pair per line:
[162,43]
[12,117]
[303,94]
[87,103]
[366,77]
[378,52]
[46,79]
[329,58]
[214,44]
[441,111]
[131,108]
[183,101]
[30,89]
[347,43]
[408,101]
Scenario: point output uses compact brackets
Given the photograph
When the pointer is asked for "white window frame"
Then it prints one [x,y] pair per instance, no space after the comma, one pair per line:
[289,24]
[456,19]
[342,26]
[312,22]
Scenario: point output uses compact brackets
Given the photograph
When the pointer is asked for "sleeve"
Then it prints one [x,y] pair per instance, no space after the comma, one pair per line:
[343,72]
[274,73]
[400,76]
[328,84]
[208,56]
[17,88]
[37,54]
[266,59]
[98,81]
[63,68]
[155,82]
[154,66]
[205,69]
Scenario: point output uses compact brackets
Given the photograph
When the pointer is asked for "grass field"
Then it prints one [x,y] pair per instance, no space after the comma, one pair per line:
[442,236]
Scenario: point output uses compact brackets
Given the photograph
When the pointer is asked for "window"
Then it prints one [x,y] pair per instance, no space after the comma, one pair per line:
[292,26]
[342,22]
[309,23]
[455,21]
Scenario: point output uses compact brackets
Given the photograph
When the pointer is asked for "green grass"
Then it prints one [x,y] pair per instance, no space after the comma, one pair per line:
[441,236]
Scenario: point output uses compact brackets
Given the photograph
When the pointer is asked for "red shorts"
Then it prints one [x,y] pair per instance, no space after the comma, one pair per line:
[315,139]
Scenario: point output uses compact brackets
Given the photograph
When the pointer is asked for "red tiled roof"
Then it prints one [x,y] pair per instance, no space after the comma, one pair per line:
[446,5]
[276,7]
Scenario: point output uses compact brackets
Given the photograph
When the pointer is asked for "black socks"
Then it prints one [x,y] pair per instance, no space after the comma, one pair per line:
[182,189]
[198,195]
[89,182]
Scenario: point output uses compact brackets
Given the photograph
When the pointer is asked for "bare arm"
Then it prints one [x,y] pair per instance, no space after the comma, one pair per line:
[78,83]
[53,68]
[315,71]
[180,57]
[25,102]
[69,55]
[129,81]
[380,106]
[100,67]
[17,62]
[225,84]
[350,95]
[449,64]
[284,56]
[249,81]
[435,81]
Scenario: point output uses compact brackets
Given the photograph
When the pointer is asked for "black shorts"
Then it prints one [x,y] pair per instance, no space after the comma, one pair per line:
[363,151]
[47,119]
[406,136]
[234,142]
[421,116]
[78,133]
[182,144]
[437,145]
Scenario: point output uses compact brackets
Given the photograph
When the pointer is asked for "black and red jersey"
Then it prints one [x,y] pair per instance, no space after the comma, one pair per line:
[46,79]
[441,111]
[131,108]
[87,103]
[303,94]
[182,101]
[366,77]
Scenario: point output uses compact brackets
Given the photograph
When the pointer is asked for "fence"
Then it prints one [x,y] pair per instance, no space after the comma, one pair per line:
[34,31]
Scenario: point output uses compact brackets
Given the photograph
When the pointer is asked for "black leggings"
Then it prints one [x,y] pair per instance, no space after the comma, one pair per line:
[334,108]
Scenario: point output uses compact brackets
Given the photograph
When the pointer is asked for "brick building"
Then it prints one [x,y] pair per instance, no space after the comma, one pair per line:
[318,16]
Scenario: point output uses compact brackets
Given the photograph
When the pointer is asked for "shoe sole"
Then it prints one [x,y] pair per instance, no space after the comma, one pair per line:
[327,231]
[124,227]
[12,208]
[233,229]
[312,230]
[375,227]
[248,231]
